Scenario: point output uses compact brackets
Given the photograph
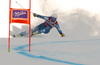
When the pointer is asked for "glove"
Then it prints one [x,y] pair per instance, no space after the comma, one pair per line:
[35,15]
[62,35]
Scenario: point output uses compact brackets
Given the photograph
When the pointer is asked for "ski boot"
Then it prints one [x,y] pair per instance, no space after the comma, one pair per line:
[34,33]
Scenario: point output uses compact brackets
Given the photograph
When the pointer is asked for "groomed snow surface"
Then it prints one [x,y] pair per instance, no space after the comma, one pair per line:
[50,51]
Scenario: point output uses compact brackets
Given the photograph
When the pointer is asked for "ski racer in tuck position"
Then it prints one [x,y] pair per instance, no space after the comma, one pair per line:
[45,27]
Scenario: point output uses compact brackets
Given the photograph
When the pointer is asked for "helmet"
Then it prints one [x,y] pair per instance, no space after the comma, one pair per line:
[54,15]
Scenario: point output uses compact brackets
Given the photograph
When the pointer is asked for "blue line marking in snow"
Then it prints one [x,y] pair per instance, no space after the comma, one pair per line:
[21,48]
[46,58]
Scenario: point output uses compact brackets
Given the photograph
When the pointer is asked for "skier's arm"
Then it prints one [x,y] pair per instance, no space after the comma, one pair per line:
[59,30]
[40,16]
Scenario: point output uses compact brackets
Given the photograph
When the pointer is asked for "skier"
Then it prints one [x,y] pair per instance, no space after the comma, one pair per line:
[45,27]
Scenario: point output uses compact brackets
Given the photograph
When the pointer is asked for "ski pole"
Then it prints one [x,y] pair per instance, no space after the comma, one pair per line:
[22,6]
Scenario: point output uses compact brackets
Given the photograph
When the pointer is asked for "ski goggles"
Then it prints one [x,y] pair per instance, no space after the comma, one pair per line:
[53,18]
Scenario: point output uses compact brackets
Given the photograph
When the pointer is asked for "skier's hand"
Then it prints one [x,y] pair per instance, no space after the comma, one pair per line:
[62,35]
[35,15]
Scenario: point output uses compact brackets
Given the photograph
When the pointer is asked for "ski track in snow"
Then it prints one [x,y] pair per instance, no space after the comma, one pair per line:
[21,48]
[24,52]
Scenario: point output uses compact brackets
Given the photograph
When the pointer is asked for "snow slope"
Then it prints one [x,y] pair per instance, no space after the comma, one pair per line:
[47,51]
[80,46]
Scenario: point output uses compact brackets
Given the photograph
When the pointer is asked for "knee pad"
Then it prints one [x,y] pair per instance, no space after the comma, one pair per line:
[47,31]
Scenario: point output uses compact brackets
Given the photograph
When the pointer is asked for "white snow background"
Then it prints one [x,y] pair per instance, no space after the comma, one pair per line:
[79,21]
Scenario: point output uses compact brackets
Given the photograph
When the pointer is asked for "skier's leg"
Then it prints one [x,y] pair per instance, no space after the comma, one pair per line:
[21,34]
[37,29]
[33,31]
[45,30]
